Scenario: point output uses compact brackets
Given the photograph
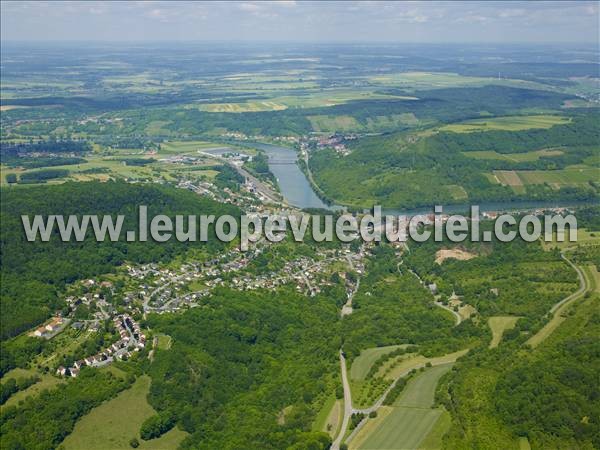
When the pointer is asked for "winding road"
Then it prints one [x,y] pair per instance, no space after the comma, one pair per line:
[349,409]
[582,286]
[556,310]
[447,308]
[440,304]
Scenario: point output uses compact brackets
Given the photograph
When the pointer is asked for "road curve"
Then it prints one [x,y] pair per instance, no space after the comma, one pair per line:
[447,308]
[582,285]
[539,337]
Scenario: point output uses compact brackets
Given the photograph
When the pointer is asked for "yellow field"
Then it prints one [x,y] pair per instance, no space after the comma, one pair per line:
[508,123]
[242,107]
[416,362]
[508,178]
[499,325]
[9,107]
[514,157]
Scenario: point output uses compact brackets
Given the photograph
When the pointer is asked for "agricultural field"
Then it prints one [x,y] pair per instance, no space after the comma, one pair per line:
[411,418]
[569,176]
[593,278]
[393,370]
[326,123]
[557,179]
[117,421]
[362,364]
[415,81]
[105,164]
[453,253]
[310,98]
[514,157]
[243,107]
[509,123]
[584,238]
[345,123]
[434,440]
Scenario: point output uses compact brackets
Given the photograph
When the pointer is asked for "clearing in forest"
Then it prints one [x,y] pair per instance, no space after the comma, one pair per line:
[114,423]
[453,253]
[499,325]
[508,123]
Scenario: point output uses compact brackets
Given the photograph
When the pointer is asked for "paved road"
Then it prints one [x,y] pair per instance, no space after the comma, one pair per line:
[349,409]
[441,305]
[582,285]
[549,328]
[447,308]
[347,403]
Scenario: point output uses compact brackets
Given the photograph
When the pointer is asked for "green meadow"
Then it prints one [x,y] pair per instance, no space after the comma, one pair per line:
[362,364]
[508,123]
[114,423]
[412,417]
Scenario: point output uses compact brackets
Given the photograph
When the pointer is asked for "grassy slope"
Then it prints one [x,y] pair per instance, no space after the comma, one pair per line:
[499,325]
[361,365]
[46,382]
[114,423]
[560,314]
[510,123]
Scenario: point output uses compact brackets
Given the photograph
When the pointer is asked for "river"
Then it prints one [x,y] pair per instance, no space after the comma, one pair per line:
[297,190]
[293,184]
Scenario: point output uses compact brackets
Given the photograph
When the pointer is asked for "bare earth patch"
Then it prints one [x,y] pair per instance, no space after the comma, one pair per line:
[454,253]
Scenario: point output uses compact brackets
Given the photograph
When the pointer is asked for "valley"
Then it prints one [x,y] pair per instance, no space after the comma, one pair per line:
[299,345]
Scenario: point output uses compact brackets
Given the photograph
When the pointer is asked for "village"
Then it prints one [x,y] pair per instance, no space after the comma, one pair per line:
[95,305]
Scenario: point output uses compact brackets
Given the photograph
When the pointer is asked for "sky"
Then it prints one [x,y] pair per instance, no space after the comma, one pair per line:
[365,21]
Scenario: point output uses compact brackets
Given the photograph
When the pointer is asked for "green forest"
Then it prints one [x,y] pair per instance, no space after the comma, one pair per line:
[33,273]
[396,170]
